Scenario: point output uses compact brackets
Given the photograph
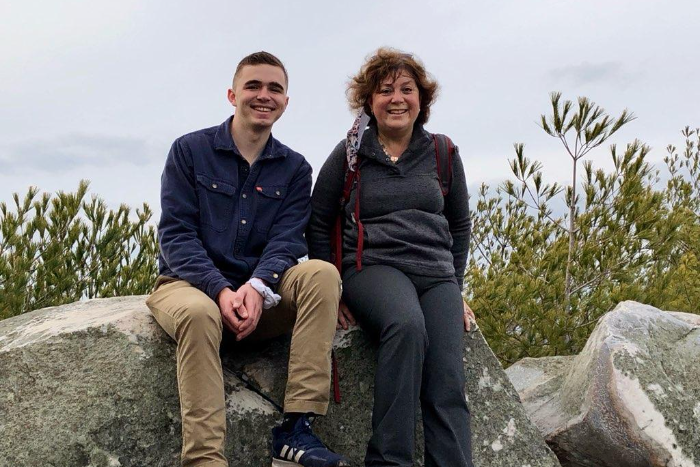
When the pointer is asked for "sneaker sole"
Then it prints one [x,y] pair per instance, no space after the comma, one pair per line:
[283,463]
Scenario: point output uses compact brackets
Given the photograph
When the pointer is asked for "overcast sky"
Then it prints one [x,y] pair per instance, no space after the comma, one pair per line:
[99,90]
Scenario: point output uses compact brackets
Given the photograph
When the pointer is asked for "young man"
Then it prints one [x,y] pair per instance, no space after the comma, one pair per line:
[235,203]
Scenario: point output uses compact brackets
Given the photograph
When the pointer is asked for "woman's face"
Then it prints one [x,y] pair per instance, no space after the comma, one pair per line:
[396,104]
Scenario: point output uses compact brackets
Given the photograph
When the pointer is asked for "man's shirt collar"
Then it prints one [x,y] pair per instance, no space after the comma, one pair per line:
[223,141]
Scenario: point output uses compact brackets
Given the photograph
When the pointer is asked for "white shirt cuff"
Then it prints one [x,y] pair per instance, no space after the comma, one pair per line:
[270,298]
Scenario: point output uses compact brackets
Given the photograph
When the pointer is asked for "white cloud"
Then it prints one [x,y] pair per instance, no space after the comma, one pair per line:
[73,151]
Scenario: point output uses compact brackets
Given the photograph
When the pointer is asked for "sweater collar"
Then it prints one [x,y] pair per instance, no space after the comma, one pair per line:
[372,148]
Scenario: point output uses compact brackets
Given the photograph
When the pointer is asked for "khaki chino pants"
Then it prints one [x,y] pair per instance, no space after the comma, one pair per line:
[310,294]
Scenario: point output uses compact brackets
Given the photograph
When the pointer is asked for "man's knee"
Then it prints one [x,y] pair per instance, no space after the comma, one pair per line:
[321,276]
[318,291]
[200,315]
[322,272]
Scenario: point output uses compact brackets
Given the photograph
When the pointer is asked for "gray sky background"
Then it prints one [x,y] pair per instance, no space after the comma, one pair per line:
[99,90]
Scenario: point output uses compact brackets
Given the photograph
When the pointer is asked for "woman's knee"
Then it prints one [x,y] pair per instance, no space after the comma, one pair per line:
[407,327]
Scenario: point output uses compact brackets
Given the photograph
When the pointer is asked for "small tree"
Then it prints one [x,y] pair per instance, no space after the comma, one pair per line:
[591,127]
[59,249]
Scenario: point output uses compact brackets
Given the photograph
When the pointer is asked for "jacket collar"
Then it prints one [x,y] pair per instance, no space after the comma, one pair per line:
[223,141]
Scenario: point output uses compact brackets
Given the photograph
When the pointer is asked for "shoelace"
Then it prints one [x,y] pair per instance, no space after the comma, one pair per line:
[305,438]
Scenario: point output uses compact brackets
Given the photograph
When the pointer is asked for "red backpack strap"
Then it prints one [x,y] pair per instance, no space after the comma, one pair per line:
[360,227]
[337,233]
[444,151]
[350,176]
[337,257]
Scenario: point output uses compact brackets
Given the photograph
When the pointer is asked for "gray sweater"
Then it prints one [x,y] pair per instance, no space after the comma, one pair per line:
[408,224]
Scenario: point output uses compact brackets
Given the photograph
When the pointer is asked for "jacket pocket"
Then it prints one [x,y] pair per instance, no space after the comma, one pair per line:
[268,201]
[216,200]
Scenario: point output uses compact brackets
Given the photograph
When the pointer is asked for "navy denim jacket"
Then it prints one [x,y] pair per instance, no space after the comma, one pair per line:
[219,226]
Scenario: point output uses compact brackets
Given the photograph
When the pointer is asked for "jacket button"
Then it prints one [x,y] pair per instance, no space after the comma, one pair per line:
[275,275]
[244,195]
[277,192]
[214,186]
[244,222]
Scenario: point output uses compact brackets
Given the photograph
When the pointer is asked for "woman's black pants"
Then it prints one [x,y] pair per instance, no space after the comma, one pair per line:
[418,322]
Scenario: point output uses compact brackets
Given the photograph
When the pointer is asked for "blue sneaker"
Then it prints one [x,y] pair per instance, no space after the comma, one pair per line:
[301,448]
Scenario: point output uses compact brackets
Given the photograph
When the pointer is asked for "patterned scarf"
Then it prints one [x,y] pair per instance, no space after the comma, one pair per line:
[352,143]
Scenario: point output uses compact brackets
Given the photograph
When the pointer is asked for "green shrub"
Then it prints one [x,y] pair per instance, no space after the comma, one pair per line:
[538,281]
[62,248]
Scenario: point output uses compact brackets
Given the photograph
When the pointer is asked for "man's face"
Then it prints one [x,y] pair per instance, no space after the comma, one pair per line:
[259,95]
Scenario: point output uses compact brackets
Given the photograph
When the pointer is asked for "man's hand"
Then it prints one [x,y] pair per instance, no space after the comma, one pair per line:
[229,303]
[345,318]
[250,310]
[469,317]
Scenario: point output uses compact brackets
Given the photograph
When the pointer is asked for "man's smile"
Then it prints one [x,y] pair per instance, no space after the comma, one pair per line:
[261,108]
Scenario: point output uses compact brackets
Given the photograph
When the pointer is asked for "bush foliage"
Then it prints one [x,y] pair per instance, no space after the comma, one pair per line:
[539,275]
[63,248]
[538,281]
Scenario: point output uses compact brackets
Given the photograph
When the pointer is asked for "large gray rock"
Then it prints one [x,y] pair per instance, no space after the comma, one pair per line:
[502,435]
[630,399]
[93,384]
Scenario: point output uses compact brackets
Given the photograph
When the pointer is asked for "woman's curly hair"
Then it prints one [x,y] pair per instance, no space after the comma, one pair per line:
[387,62]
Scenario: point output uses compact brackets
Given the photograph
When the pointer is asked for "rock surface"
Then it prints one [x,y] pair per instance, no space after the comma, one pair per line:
[502,435]
[630,399]
[93,384]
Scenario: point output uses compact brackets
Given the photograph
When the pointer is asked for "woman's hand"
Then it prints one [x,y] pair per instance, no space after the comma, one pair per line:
[345,318]
[469,317]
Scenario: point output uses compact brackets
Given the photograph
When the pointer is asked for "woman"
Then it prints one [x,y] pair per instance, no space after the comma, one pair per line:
[404,251]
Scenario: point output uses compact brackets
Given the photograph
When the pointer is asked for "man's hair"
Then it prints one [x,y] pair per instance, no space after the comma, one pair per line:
[387,62]
[260,58]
